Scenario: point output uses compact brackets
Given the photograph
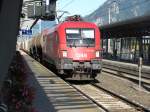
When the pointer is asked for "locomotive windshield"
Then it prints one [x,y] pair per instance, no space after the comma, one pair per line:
[80,37]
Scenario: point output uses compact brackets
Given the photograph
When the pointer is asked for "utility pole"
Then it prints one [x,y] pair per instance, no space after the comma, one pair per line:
[109,15]
[114,8]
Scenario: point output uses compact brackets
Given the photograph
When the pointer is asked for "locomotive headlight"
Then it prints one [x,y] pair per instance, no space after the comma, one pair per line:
[97,54]
[64,53]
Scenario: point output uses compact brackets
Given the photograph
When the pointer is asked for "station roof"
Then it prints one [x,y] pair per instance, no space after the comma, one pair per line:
[135,27]
[25,23]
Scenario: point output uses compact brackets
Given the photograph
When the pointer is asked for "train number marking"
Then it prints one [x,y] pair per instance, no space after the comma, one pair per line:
[81,55]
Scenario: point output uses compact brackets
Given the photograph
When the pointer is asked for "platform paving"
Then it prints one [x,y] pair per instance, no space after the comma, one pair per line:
[52,93]
[125,63]
[130,66]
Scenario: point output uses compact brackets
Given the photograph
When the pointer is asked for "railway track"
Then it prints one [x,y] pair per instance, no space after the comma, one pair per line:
[113,71]
[127,68]
[108,101]
[126,75]
[105,100]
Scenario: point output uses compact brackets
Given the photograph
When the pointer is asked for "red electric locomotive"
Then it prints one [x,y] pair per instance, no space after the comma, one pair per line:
[73,47]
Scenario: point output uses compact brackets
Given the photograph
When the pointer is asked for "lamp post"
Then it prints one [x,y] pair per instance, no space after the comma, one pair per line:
[113,8]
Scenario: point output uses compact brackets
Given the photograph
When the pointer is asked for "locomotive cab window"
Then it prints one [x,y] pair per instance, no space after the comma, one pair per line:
[80,37]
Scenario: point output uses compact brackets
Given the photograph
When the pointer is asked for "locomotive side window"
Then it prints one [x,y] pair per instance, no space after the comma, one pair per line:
[80,37]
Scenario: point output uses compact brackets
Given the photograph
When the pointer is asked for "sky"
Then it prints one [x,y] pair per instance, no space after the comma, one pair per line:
[81,7]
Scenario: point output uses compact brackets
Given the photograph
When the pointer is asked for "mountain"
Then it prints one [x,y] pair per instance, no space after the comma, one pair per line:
[118,10]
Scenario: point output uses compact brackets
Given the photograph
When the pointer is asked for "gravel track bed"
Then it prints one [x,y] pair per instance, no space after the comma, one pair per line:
[124,88]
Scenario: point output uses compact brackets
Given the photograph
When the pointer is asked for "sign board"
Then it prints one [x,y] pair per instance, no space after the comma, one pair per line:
[25,32]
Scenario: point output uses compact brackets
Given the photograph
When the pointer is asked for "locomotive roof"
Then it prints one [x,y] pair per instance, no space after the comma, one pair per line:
[68,24]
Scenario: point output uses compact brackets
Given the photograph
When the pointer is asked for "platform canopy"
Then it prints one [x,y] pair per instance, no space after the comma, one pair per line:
[33,10]
[25,22]
[135,27]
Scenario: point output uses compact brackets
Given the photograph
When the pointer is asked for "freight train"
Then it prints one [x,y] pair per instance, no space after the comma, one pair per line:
[72,47]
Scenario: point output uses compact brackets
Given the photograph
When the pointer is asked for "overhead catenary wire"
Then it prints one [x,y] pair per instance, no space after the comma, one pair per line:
[67,4]
[63,12]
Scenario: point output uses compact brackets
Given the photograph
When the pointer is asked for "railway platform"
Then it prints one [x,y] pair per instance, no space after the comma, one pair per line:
[52,93]
[130,68]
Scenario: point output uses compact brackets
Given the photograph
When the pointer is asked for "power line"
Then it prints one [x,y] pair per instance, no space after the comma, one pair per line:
[67,4]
